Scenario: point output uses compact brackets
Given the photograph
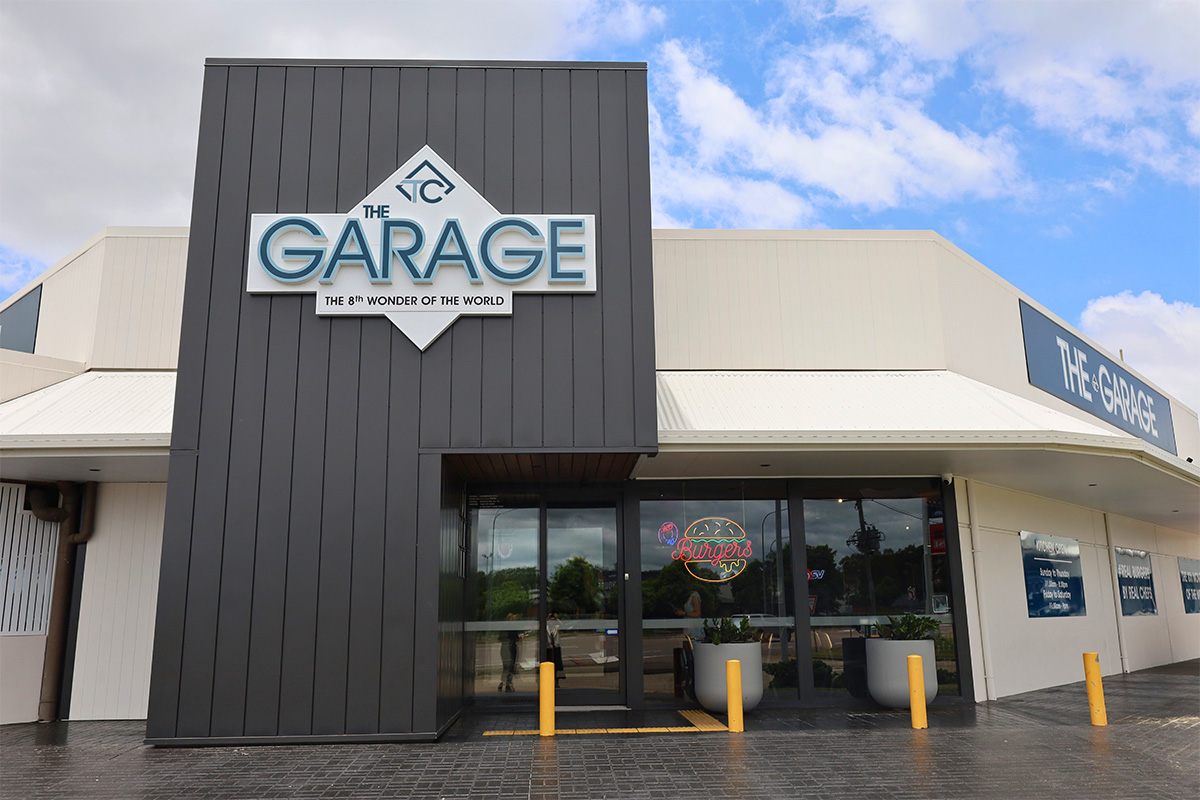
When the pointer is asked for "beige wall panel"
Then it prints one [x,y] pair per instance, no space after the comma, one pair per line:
[1171,635]
[17,377]
[1184,628]
[1187,431]
[21,660]
[1132,533]
[116,621]
[781,302]
[1029,654]
[1177,543]
[1148,639]
[1003,509]
[67,319]
[141,302]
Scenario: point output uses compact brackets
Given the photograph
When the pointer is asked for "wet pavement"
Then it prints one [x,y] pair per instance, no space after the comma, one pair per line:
[1035,745]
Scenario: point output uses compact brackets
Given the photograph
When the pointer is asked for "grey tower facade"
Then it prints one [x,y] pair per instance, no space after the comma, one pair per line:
[312,585]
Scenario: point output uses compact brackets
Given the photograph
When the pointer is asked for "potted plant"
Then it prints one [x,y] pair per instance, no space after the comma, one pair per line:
[727,641]
[887,659]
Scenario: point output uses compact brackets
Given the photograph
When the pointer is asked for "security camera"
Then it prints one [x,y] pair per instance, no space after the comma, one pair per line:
[947,479]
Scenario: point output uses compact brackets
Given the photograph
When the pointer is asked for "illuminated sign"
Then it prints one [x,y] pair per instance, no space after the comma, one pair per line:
[713,549]
[422,249]
[668,533]
[816,574]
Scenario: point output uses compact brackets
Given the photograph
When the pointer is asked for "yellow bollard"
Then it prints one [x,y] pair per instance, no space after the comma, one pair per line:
[546,697]
[916,692]
[1095,689]
[733,689]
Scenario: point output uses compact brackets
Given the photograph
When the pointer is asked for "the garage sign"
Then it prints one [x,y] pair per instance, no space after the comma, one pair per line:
[422,249]
[1069,368]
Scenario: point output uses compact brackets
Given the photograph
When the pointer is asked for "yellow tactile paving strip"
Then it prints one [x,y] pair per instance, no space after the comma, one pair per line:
[701,720]
[701,723]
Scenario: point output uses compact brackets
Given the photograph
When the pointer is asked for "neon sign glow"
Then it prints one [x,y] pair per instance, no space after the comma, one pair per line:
[713,549]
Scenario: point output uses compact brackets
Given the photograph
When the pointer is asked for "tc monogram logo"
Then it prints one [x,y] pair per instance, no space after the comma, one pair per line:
[426,182]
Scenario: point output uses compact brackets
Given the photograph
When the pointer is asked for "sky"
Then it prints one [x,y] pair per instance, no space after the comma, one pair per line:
[1056,142]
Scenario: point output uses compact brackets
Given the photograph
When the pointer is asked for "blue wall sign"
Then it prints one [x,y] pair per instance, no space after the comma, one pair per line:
[1053,576]
[1189,576]
[1135,577]
[1064,365]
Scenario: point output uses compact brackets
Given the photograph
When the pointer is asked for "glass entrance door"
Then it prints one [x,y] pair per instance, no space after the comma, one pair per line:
[547,588]
[582,630]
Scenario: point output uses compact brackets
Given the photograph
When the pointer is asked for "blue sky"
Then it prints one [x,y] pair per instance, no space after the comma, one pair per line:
[1058,143]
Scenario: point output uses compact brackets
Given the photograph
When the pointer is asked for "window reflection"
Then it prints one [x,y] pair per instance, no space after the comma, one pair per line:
[868,559]
[506,591]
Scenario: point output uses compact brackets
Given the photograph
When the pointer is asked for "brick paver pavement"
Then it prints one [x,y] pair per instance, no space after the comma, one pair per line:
[1037,745]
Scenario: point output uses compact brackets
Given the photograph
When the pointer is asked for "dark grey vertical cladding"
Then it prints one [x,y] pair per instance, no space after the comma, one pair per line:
[527,373]
[641,302]
[615,283]
[436,360]
[403,439]
[497,381]
[558,382]
[371,468]
[341,438]
[427,584]
[245,448]
[264,671]
[587,319]
[212,469]
[167,659]
[185,428]
[466,377]
[310,579]
[312,392]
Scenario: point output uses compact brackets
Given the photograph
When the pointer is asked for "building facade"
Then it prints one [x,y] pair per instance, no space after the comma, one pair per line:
[444,406]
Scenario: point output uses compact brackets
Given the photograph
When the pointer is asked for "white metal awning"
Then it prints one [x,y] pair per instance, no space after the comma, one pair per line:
[95,426]
[906,424]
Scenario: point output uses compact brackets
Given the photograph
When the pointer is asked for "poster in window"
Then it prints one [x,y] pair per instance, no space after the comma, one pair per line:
[1053,575]
[1135,579]
[1189,576]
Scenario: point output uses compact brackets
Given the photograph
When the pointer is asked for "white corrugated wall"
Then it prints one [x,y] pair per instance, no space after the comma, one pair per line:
[116,616]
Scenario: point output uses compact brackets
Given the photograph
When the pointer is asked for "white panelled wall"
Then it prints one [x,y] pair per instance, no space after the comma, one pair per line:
[116,613]
[27,548]
[1026,653]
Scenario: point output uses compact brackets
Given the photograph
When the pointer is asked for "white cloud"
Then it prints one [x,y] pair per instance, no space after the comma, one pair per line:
[1159,339]
[101,99]
[839,122]
[1120,78]
[706,196]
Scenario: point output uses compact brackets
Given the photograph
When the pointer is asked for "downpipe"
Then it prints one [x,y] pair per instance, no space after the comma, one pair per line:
[75,526]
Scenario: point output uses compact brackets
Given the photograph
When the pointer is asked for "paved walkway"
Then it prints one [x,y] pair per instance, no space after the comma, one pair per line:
[1037,745]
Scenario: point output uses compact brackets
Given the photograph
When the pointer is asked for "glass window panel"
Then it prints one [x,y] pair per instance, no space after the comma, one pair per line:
[506,591]
[868,559]
[682,586]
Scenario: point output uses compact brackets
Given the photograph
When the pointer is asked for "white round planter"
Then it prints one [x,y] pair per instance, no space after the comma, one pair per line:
[710,674]
[887,670]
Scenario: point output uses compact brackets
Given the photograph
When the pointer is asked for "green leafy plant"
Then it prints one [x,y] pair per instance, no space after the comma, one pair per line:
[784,673]
[910,627]
[724,631]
